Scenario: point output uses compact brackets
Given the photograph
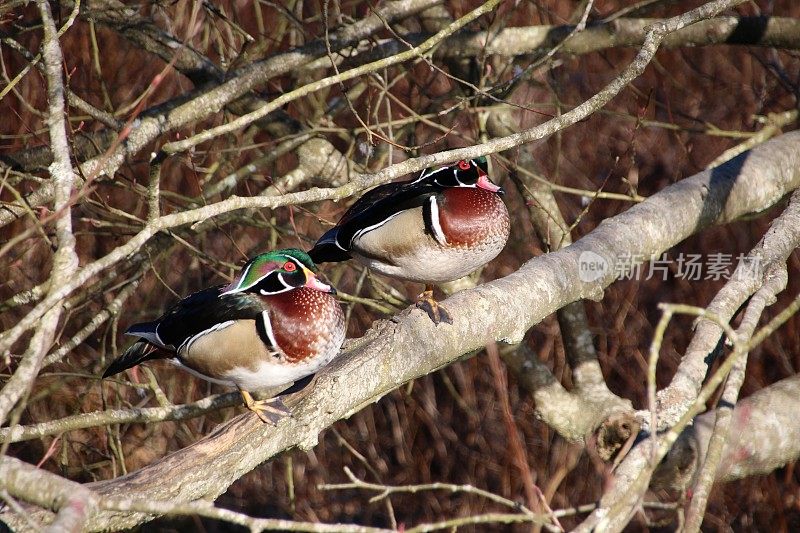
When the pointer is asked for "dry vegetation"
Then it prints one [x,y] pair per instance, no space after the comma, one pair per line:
[453,426]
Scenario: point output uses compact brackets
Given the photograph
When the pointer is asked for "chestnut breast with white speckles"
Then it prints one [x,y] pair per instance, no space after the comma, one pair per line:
[474,222]
[473,218]
[306,323]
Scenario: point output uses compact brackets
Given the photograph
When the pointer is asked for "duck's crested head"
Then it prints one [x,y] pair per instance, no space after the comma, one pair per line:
[276,272]
[470,173]
[299,255]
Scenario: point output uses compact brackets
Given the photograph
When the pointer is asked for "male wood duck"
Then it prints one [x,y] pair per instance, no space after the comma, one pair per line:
[275,324]
[436,228]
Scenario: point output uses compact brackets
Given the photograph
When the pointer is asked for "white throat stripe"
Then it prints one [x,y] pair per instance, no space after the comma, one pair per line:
[268,329]
[438,234]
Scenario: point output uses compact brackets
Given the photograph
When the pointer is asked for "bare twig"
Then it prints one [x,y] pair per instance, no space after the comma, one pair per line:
[384,491]
[120,416]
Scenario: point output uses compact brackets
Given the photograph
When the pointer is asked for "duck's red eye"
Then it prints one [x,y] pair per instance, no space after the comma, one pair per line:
[463,165]
[289,266]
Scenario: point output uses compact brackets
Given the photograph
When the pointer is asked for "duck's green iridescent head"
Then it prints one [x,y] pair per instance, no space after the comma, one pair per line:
[482,162]
[300,255]
[276,272]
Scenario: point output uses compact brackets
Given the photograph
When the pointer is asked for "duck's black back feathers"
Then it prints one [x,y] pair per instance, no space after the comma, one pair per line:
[200,311]
[371,210]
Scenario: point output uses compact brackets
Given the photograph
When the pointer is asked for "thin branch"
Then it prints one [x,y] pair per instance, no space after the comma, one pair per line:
[153,507]
[112,309]
[384,491]
[774,123]
[121,416]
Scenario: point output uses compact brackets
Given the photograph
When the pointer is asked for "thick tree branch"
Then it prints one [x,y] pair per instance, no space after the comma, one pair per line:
[707,473]
[771,253]
[75,502]
[765,267]
[770,413]
[780,32]
[634,475]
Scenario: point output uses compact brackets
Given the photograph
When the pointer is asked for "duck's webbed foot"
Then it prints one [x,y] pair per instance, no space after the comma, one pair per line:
[270,411]
[435,310]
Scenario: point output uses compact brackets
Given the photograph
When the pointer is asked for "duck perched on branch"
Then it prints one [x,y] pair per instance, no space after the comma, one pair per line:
[275,324]
[436,228]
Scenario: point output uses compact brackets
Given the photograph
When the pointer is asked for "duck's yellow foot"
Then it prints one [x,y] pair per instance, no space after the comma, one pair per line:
[270,411]
[435,310]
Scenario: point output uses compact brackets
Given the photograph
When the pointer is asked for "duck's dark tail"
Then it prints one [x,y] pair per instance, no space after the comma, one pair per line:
[139,352]
[327,250]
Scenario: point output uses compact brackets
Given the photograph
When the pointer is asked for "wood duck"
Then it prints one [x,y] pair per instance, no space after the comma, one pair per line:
[436,228]
[275,324]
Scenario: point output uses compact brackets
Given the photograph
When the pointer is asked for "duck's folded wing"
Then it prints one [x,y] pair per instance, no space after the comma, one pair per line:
[197,313]
[368,213]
